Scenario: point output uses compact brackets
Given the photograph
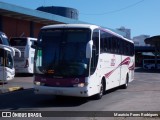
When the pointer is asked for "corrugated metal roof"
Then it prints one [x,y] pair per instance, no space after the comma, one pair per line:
[33,15]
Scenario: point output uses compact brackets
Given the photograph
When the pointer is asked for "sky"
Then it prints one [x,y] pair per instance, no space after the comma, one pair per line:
[141,16]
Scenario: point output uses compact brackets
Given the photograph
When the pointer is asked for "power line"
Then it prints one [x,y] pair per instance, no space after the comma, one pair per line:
[114,11]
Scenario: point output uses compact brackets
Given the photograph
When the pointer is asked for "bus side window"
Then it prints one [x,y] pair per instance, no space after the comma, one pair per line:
[96,40]
[102,42]
[122,47]
[95,52]
[1,40]
[113,45]
[118,46]
[9,62]
[1,61]
[132,49]
[1,57]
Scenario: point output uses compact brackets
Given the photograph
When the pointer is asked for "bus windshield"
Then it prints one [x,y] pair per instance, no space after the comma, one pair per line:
[62,52]
[18,41]
[6,59]
[3,39]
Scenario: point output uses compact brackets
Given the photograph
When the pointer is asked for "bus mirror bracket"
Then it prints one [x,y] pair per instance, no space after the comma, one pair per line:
[89,49]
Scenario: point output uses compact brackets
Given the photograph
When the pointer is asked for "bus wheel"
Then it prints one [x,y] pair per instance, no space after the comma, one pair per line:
[101,91]
[126,84]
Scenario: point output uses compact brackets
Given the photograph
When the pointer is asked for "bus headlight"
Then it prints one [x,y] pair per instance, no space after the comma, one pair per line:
[79,85]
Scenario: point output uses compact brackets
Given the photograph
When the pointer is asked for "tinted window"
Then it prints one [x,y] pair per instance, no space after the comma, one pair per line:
[112,44]
[6,58]
[3,39]
[105,42]
[95,50]
[96,40]
[18,41]
[0,41]
[63,51]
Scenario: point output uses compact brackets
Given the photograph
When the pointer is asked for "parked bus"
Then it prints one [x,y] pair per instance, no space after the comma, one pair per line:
[24,64]
[151,64]
[81,60]
[7,71]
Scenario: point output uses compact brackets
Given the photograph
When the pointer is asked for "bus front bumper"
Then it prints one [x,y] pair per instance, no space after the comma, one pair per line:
[64,91]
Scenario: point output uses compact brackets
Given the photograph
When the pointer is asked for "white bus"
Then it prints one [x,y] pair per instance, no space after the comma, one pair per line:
[24,64]
[7,71]
[151,64]
[81,60]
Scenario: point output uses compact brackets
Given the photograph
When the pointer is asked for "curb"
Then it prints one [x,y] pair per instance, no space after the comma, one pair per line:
[11,89]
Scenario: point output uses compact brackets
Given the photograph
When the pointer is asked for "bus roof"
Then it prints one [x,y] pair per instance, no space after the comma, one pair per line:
[11,49]
[90,26]
[71,26]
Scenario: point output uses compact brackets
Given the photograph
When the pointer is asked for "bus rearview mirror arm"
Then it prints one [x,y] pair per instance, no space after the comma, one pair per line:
[89,49]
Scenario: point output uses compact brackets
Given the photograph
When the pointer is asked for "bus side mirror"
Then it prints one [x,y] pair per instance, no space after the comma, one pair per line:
[89,49]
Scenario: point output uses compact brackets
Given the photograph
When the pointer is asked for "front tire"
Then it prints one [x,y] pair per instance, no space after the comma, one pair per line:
[101,92]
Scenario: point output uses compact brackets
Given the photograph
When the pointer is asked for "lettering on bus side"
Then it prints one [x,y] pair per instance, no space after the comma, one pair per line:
[113,61]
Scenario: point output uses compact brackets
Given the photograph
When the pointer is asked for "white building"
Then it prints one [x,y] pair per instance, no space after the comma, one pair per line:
[139,40]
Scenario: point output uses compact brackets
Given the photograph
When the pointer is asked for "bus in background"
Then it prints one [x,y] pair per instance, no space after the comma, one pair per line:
[3,39]
[150,64]
[24,64]
[7,71]
[81,60]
